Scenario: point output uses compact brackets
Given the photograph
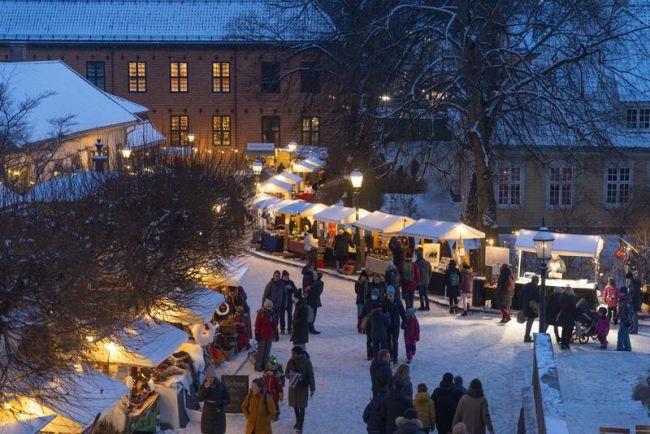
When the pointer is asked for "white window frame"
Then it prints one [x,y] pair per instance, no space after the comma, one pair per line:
[561,167]
[501,165]
[641,118]
[618,166]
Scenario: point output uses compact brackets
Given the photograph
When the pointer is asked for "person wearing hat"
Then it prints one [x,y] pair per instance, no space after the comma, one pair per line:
[445,399]
[341,244]
[625,317]
[266,331]
[275,291]
[409,423]
[287,303]
[300,333]
[472,410]
[411,328]
[313,299]
[395,309]
[215,398]
[300,375]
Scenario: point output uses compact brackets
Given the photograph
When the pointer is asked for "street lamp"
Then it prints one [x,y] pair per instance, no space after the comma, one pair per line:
[126,153]
[356,178]
[543,240]
[190,138]
[257,170]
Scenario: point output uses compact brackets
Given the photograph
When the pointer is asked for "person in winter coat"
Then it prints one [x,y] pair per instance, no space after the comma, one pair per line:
[466,286]
[360,289]
[272,381]
[395,246]
[634,286]
[308,276]
[410,277]
[300,333]
[376,286]
[300,373]
[274,291]
[313,300]
[529,293]
[425,278]
[311,248]
[341,244]
[602,327]
[215,398]
[411,328]
[505,291]
[403,375]
[625,316]
[259,409]
[287,305]
[553,311]
[409,423]
[372,416]
[373,297]
[473,410]
[394,406]
[381,375]
[611,295]
[460,428]
[452,283]
[395,310]
[445,398]
[568,316]
[424,406]
[266,331]
[458,382]
[379,323]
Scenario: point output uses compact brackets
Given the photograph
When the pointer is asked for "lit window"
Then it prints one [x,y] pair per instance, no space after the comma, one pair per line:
[221,130]
[221,77]
[178,77]
[137,77]
[311,131]
[510,184]
[180,127]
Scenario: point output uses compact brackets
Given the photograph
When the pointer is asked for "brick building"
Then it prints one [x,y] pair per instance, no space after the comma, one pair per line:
[207,67]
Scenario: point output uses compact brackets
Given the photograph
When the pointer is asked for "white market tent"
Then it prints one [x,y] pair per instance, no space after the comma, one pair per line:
[289,178]
[313,161]
[382,222]
[441,230]
[265,203]
[145,343]
[303,167]
[339,215]
[273,185]
[231,277]
[302,208]
[31,425]
[199,309]
[281,204]
[564,244]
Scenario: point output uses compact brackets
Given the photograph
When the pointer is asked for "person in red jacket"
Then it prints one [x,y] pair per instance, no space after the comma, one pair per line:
[411,328]
[410,277]
[273,386]
[266,331]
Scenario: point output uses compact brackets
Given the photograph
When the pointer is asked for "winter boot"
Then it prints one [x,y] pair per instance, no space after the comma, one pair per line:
[451,309]
[464,313]
[359,325]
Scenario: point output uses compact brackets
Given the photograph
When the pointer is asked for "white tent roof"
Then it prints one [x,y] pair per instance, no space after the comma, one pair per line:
[295,179]
[339,214]
[144,343]
[382,222]
[314,162]
[302,208]
[286,179]
[232,277]
[441,230]
[564,244]
[265,203]
[281,204]
[274,185]
[303,167]
[200,308]
[28,426]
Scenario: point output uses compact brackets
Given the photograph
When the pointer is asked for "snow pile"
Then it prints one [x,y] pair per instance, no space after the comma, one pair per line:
[549,385]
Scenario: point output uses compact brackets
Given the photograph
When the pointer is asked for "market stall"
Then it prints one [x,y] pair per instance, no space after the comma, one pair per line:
[565,245]
[432,234]
[379,225]
[300,220]
[276,186]
[328,221]
[289,178]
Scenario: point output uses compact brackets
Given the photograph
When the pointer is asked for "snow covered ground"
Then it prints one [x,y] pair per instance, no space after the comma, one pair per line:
[597,385]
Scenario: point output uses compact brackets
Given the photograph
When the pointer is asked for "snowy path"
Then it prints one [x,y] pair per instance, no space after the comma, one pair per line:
[474,346]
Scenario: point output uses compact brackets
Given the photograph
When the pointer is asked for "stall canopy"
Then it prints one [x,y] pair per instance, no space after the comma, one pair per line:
[281,204]
[265,203]
[30,425]
[199,308]
[313,161]
[145,343]
[302,208]
[382,222]
[274,185]
[232,276]
[339,215]
[441,230]
[303,167]
[259,198]
[564,244]
[288,177]
[82,396]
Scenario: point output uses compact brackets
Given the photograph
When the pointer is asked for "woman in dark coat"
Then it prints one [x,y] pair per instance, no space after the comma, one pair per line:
[452,282]
[300,333]
[215,398]
[445,398]
[299,364]
[313,299]
[568,316]
[505,291]
[553,310]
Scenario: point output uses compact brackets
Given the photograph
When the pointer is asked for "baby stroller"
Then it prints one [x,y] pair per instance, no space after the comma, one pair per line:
[586,324]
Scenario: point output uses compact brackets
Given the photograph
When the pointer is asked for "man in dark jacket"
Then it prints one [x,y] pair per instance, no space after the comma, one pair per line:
[372,416]
[381,375]
[529,293]
[308,276]
[215,398]
[313,300]
[300,333]
[274,291]
[379,324]
[568,316]
[300,367]
[289,290]
[396,313]
[425,277]
[341,243]
[394,406]
[634,286]
[445,399]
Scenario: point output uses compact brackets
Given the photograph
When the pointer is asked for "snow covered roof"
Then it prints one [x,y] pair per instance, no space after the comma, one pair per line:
[564,244]
[66,188]
[28,426]
[232,276]
[288,177]
[144,343]
[339,215]
[128,105]
[441,230]
[282,203]
[63,93]
[186,21]
[274,185]
[316,162]
[308,151]
[200,309]
[7,198]
[302,208]
[382,222]
[267,202]
[303,167]
[143,135]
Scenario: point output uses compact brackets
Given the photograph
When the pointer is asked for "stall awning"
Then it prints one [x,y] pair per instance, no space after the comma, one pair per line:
[289,178]
[382,222]
[265,203]
[274,185]
[144,343]
[29,425]
[302,208]
[281,204]
[199,309]
[231,277]
[339,215]
[260,149]
[564,244]
[441,230]
[303,167]
[315,162]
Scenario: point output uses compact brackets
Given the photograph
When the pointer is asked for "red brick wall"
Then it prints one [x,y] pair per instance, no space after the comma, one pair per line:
[245,103]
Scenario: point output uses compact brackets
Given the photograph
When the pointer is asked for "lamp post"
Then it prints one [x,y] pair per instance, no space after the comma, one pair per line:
[356,178]
[543,240]
[257,167]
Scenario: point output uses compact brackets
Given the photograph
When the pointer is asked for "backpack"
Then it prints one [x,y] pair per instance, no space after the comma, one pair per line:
[454,278]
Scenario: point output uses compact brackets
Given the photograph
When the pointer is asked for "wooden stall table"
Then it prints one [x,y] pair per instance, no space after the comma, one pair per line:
[298,247]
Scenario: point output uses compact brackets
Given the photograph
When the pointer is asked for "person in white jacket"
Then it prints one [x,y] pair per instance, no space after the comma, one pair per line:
[311,248]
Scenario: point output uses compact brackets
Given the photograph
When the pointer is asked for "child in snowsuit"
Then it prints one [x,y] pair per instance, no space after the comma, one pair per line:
[426,410]
[602,327]
[411,328]
[273,385]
